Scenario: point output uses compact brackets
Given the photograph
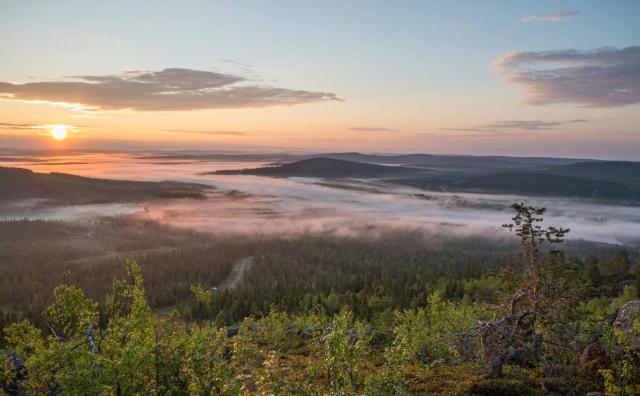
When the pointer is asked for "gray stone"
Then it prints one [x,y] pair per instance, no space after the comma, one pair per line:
[233,330]
[624,322]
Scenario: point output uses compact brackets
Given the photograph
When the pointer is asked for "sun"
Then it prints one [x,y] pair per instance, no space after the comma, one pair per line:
[59,132]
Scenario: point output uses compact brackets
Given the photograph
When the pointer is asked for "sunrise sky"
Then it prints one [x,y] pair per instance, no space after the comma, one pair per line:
[552,78]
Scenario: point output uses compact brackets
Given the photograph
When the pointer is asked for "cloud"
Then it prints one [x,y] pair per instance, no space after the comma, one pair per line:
[605,77]
[559,17]
[9,125]
[230,133]
[370,129]
[517,125]
[165,90]
[14,126]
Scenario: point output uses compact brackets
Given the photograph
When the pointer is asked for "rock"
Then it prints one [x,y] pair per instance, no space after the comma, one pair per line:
[350,332]
[624,322]
[232,331]
[308,332]
[611,317]
[593,357]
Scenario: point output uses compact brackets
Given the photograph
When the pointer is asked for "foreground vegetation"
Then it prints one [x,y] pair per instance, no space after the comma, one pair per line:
[542,323]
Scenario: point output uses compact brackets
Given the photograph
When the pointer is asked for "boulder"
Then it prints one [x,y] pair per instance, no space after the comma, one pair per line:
[624,322]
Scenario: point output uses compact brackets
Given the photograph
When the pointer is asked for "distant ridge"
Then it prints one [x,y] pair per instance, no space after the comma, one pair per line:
[327,168]
[613,181]
[621,171]
[18,183]
[454,161]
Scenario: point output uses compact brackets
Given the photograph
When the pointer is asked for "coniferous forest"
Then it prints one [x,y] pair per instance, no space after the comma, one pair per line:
[315,315]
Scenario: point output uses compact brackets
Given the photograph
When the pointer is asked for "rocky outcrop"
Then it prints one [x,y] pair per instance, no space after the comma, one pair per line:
[624,323]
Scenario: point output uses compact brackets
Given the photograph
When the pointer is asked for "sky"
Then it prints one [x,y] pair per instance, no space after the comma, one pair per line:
[544,78]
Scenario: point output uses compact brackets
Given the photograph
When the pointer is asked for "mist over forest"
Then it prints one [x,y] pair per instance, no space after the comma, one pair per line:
[248,204]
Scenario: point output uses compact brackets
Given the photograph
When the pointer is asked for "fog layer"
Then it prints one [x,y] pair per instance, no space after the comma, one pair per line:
[287,207]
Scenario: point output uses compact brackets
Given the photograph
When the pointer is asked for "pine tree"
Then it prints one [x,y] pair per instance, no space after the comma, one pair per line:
[619,265]
[592,272]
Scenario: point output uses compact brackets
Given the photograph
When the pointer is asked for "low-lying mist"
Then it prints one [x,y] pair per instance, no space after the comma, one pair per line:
[293,206]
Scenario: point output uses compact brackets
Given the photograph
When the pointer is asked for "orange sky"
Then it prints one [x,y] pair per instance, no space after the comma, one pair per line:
[424,77]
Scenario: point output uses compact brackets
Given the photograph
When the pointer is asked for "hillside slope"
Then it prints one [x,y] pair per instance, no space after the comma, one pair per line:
[617,171]
[527,183]
[17,183]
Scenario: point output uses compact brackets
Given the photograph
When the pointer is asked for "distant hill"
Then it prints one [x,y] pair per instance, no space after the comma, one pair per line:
[528,183]
[454,161]
[423,160]
[607,180]
[327,168]
[550,184]
[17,183]
[619,171]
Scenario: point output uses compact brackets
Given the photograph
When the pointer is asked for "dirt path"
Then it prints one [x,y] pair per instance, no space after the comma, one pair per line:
[232,281]
[235,276]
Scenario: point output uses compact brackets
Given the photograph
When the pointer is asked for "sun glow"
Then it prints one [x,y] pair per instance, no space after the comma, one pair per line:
[59,132]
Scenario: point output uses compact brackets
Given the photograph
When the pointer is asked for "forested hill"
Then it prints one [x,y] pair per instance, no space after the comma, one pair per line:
[609,180]
[17,183]
[613,181]
[531,184]
[326,167]
[417,159]
[618,171]
[455,161]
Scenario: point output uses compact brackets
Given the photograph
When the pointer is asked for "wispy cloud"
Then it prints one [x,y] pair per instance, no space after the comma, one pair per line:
[517,125]
[9,125]
[15,126]
[370,129]
[230,133]
[165,90]
[605,77]
[559,17]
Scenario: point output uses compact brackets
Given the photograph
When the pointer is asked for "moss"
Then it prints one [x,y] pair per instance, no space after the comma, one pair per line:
[502,387]
[441,380]
[567,385]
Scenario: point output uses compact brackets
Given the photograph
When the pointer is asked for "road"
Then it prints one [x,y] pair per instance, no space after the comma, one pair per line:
[235,276]
[232,281]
